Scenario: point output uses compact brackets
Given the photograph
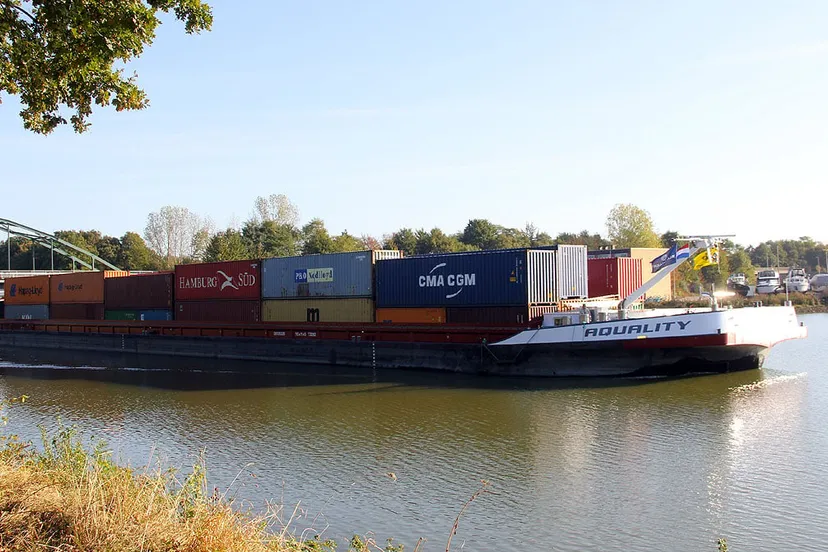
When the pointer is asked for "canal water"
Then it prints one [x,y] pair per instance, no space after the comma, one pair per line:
[611,465]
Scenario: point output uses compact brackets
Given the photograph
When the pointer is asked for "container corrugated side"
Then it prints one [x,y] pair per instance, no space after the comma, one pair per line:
[629,275]
[145,291]
[33,290]
[218,311]
[139,315]
[572,272]
[328,275]
[494,278]
[77,311]
[542,281]
[412,315]
[318,310]
[26,312]
[231,280]
[80,287]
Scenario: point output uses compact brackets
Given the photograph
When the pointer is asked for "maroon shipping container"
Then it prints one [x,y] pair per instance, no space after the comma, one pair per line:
[617,276]
[494,316]
[139,292]
[218,311]
[228,280]
[77,311]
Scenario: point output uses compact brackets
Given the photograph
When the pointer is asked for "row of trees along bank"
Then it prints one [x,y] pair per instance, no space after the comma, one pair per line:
[176,235]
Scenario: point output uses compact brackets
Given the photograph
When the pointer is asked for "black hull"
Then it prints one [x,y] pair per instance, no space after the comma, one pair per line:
[560,360]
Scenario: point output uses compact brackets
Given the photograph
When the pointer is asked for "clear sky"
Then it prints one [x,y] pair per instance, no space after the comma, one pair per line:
[377,115]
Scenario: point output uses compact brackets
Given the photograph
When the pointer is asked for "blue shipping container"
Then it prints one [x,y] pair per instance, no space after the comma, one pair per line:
[328,275]
[487,278]
[26,312]
[507,277]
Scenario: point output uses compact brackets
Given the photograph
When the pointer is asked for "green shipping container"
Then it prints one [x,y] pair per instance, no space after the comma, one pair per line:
[121,315]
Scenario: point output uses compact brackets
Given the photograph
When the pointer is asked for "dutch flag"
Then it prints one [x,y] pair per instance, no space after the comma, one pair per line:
[683,252]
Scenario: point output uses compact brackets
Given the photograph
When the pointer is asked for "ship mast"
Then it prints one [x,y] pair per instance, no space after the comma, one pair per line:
[697,243]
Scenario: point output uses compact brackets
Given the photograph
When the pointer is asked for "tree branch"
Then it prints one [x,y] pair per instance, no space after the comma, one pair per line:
[21,10]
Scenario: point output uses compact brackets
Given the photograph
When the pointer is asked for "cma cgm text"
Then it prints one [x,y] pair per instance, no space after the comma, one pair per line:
[453,280]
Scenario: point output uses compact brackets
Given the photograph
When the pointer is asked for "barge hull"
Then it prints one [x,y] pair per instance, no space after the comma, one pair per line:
[568,360]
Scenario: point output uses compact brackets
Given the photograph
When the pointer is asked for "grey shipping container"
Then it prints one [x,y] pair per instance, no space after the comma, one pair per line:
[26,312]
[328,275]
[508,277]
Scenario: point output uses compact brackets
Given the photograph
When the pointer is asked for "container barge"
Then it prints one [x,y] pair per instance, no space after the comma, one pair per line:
[563,337]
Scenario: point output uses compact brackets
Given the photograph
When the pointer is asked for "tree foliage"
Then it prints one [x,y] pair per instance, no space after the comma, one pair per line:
[58,55]
[631,226]
[175,233]
[277,208]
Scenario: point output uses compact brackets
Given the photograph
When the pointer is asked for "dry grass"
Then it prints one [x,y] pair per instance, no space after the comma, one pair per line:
[68,499]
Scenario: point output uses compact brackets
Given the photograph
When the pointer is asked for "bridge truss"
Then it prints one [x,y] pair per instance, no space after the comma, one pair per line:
[78,255]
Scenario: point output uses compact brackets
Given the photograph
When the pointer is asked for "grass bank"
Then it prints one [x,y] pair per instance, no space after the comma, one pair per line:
[70,499]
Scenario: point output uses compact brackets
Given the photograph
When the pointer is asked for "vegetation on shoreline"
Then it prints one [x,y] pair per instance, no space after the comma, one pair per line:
[69,498]
[802,302]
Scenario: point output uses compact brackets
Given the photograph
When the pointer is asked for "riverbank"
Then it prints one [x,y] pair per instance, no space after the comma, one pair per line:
[72,499]
[803,303]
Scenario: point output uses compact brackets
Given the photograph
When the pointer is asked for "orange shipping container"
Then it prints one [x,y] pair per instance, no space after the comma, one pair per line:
[33,290]
[412,315]
[80,287]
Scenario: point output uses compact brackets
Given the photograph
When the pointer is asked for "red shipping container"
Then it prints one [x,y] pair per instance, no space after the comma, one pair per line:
[218,311]
[616,276]
[227,280]
[140,292]
[77,311]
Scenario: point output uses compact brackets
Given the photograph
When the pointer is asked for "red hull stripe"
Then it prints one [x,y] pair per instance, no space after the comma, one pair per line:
[713,340]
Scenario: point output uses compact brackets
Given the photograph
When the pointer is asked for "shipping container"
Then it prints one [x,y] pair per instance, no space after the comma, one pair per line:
[32,290]
[139,315]
[494,316]
[76,311]
[329,275]
[318,310]
[663,289]
[26,312]
[80,287]
[218,311]
[509,277]
[225,280]
[614,276]
[139,292]
[412,315]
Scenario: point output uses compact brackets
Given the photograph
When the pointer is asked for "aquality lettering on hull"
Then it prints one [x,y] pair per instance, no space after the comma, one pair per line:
[637,328]
[452,281]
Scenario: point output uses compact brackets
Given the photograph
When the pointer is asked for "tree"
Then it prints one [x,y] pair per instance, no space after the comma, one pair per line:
[481,233]
[668,238]
[403,239]
[631,226]
[269,239]
[135,255]
[346,242]
[226,246]
[592,241]
[370,242]
[315,238]
[535,237]
[276,208]
[59,55]
[171,232]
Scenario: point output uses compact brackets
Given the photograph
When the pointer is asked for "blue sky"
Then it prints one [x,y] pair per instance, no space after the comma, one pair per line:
[377,115]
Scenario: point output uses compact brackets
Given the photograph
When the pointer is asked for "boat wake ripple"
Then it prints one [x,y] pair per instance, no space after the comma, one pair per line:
[765,383]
